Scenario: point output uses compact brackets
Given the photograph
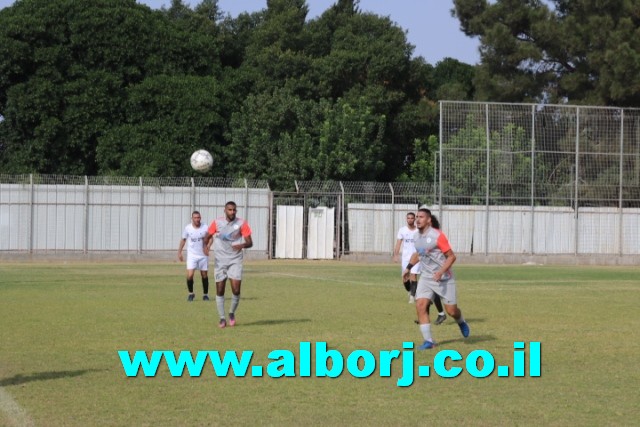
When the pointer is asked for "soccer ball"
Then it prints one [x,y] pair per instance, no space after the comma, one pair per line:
[201,161]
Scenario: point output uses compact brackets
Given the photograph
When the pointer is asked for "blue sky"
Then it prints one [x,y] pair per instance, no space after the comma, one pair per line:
[429,25]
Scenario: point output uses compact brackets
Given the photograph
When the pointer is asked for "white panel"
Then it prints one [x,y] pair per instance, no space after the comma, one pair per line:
[597,231]
[631,231]
[289,231]
[320,231]
[554,230]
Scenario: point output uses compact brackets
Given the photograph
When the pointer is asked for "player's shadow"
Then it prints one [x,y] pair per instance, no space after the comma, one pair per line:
[43,376]
[473,339]
[275,322]
[471,320]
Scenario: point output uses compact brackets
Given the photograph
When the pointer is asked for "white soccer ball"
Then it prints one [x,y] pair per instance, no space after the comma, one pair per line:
[201,161]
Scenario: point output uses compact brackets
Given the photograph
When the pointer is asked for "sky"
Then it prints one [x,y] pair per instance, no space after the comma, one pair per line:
[428,23]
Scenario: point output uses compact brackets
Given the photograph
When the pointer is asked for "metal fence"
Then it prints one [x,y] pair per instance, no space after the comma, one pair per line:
[85,214]
[537,179]
[515,179]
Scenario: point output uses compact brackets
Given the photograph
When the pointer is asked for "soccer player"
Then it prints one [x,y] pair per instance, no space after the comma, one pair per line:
[405,242]
[405,245]
[193,236]
[230,235]
[436,298]
[436,257]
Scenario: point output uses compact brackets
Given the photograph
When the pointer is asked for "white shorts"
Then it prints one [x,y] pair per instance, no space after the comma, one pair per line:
[231,270]
[198,263]
[427,287]
[414,270]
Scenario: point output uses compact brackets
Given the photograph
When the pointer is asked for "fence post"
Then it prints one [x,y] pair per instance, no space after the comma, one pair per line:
[621,177]
[193,195]
[31,212]
[270,224]
[577,169]
[533,176]
[440,165]
[486,219]
[342,214]
[85,243]
[393,215]
[246,200]
[140,222]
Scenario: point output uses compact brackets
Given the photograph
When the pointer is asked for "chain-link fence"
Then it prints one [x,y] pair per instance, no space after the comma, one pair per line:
[125,214]
[537,179]
[510,179]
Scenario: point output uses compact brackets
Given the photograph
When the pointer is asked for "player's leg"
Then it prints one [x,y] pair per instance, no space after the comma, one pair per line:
[204,274]
[413,280]
[220,274]
[235,278]
[190,272]
[449,298]
[424,293]
[441,315]
[407,283]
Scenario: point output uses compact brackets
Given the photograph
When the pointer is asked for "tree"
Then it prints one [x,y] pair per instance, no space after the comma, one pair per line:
[580,51]
[167,118]
[66,68]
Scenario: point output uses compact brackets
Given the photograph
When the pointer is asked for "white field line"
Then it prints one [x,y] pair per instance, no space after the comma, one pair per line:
[325,279]
[16,415]
[548,284]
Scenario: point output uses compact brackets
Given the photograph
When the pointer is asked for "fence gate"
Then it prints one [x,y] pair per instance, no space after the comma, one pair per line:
[289,231]
[320,233]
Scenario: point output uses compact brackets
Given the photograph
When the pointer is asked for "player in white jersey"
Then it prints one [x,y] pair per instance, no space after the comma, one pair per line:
[404,245]
[193,236]
[436,258]
[230,235]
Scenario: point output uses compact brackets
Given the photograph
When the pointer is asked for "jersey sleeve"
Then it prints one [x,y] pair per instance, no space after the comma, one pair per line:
[185,234]
[213,228]
[443,243]
[245,230]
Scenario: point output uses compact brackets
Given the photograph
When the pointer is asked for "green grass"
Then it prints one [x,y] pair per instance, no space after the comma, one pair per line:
[62,325]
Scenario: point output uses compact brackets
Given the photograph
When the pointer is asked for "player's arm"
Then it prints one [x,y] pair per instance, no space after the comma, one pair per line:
[180,248]
[245,232]
[248,242]
[206,243]
[208,237]
[396,250]
[450,259]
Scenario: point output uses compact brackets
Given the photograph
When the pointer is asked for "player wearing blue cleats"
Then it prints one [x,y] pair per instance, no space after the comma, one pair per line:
[464,328]
[427,345]
[437,281]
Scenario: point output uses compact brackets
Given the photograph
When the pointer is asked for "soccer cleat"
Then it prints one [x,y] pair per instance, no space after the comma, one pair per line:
[222,324]
[232,319]
[205,298]
[427,345]
[191,297]
[441,318]
[412,299]
[464,328]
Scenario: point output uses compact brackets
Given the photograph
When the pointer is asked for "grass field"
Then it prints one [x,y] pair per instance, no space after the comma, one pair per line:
[61,326]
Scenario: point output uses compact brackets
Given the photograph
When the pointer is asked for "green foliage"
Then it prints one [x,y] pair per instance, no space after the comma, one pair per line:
[465,164]
[582,51]
[67,68]
[167,118]
[112,87]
